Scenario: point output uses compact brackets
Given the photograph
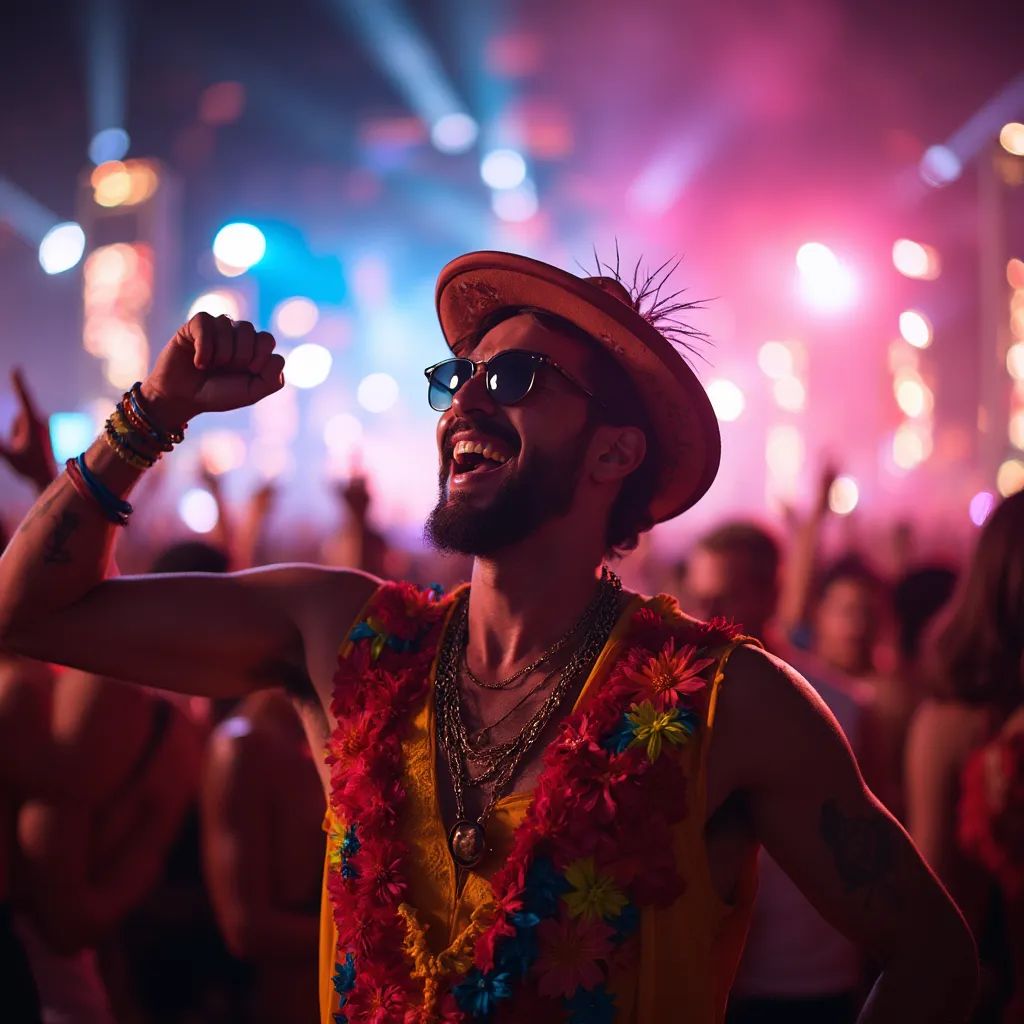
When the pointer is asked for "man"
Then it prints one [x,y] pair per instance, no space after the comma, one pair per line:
[796,967]
[468,879]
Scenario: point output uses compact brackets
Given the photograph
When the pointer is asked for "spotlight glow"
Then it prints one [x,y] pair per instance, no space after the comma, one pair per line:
[295,317]
[377,392]
[940,166]
[1015,273]
[454,133]
[109,144]
[916,328]
[515,205]
[825,283]
[726,399]
[227,270]
[790,394]
[911,445]
[1016,429]
[1011,138]
[308,365]
[198,510]
[843,495]
[775,358]
[784,452]
[219,302]
[222,450]
[342,432]
[70,433]
[913,396]
[62,247]
[503,168]
[1015,360]
[239,245]
[111,184]
[981,507]
[1010,477]
[912,259]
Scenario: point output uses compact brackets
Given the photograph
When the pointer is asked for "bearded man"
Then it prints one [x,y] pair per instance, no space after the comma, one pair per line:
[528,818]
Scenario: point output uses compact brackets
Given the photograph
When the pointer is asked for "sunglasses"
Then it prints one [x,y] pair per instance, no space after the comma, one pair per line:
[509,376]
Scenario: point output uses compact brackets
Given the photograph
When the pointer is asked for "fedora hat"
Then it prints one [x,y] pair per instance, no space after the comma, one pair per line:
[686,442]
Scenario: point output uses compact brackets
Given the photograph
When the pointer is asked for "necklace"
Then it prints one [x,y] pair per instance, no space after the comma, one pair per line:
[467,840]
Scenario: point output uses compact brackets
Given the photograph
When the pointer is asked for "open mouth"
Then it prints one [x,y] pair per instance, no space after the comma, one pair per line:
[474,458]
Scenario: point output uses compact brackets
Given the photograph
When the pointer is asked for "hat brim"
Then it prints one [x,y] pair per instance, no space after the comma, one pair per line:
[688,441]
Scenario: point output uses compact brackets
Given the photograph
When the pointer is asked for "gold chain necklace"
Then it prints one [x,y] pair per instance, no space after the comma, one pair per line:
[467,840]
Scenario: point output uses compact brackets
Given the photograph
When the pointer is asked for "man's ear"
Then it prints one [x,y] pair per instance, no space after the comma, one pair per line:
[620,451]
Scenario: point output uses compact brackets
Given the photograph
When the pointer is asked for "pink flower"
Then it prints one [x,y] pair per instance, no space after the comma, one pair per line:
[379,863]
[570,951]
[672,677]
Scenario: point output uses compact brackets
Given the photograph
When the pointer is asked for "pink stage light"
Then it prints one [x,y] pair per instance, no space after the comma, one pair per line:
[825,284]
[981,507]
[915,328]
[775,358]
[726,399]
[844,495]
[912,259]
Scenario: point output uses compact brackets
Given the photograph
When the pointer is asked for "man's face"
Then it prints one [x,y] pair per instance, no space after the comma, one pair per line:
[846,624]
[538,447]
[721,585]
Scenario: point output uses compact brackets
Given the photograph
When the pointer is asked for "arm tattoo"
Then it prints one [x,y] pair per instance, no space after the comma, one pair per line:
[864,850]
[55,550]
[37,513]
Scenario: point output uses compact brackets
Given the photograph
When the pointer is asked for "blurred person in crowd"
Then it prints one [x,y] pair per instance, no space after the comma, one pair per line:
[965,757]
[796,967]
[357,544]
[465,875]
[263,852]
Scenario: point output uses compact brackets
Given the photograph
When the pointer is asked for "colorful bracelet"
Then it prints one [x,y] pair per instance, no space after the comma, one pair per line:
[114,508]
[128,437]
[133,402]
[120,445]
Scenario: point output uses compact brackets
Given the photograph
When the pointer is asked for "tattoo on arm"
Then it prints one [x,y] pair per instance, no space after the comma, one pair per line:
[37,513]
[55,550]
[864,850]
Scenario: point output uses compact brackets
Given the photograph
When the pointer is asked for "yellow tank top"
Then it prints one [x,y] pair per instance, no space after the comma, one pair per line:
[689,951]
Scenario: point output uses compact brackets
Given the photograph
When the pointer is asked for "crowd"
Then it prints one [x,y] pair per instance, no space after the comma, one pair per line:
[161,856]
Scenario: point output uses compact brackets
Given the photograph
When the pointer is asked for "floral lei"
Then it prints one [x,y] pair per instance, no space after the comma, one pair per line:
[595,846]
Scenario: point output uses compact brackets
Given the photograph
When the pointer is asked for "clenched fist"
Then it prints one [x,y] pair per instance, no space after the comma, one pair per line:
[212,364]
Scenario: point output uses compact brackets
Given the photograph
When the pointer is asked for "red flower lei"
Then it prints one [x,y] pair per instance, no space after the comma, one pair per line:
[601,814]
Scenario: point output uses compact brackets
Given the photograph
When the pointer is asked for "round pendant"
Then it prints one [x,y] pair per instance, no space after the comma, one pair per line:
[468,843]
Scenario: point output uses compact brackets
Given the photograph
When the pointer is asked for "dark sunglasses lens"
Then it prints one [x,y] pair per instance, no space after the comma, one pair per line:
[445,379]
[510,376]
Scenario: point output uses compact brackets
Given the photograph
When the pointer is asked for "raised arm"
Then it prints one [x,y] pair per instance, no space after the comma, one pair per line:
[218,636]
[810,808]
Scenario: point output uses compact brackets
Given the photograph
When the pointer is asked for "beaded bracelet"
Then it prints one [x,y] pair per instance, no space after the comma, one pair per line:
[119,444]
[141,419]
[128,437]
[113,508]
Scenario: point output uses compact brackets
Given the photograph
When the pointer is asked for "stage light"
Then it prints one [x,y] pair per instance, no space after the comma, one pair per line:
[515,205]
[308,365]
[454,133]
[377,392]
[109,144]
[1015,360]
[912,259]
[503,168]
[826,284]
[790,394]
[111,184]
[784,452]
[843,495]
[227,270]
[726,399]
[219,302]
[1015,273]
[222,450]
[239,245]
[912,396]
[1011,138]
[940,166]
[295,317]
[915,328]
[911,445]
[198,510]
[1016,429]
[981,507]
[1010,477]
[70,433]
[342,432]
[62,247]
[775,359]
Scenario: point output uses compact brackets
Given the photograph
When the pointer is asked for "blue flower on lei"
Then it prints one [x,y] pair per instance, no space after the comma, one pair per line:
[515,954]
[591,1006]
[620,737]
[480,993]
[344,981]
[626,923]
[545,885]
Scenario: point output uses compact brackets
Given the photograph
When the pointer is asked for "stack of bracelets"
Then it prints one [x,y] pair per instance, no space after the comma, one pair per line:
[133,436]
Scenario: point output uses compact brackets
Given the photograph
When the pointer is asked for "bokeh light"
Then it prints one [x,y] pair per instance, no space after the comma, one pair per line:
[239,245]
[219,302]
[775,358]
[915,328]
[1011,138]
[1010,477]
[342,433]
[123,184]
[503,168]
[62,247]
[726,399]
[1015,360]
[825,283]
[198,510]
[940,166]
[377,392]
[1015,273]
[70,434]
[913,259]
[222,103]
[295,317]
[843,495]
[308,365]
[515,204]
[790,393]
[911,445]
[784,452]
[1016,429]
[981,507]
[109,144]
[222,450]
[227,270]
[913,396]
[454,133]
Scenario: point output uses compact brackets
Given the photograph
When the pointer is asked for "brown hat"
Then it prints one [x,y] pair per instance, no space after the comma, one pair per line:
[687,442]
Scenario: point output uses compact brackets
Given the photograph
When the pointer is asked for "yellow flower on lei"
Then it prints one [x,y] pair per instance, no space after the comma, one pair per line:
[593,896]
[653,728]
[334,840]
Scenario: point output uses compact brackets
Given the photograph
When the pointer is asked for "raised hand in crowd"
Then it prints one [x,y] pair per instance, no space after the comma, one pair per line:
[27,449]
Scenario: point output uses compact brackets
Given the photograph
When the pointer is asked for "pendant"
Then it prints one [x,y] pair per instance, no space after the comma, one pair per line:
[468,843]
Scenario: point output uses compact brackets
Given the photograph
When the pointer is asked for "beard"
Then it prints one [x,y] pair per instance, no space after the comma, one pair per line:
[542,489]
